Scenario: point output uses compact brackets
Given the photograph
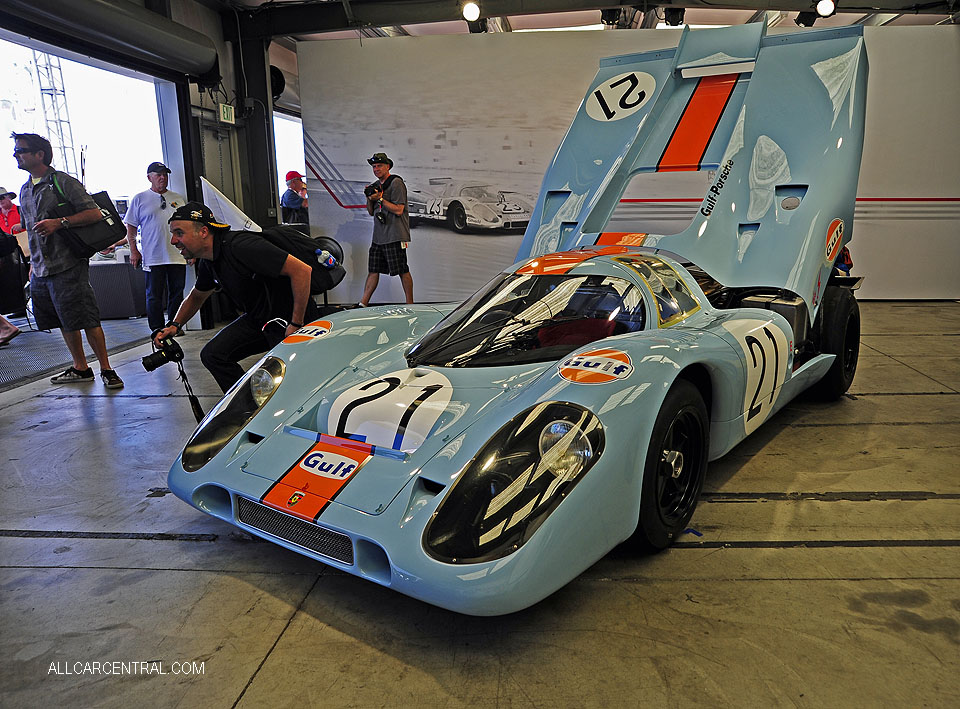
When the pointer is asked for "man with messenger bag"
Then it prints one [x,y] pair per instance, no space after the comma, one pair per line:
[60,278]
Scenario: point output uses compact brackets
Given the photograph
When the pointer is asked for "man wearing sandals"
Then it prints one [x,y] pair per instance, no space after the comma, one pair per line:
[60,281]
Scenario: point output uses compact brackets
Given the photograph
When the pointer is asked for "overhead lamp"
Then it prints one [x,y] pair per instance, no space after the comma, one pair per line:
[806,19]
[825,8]
[471,11]
[673,16]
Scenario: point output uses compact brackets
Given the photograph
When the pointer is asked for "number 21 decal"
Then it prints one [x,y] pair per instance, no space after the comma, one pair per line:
[766,350]
[397,410]
[620,96]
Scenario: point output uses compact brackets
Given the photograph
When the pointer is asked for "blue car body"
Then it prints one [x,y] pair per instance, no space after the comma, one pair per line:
[480,456]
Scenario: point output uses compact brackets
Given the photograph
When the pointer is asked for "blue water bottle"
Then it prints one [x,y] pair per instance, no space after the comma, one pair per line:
[326,258]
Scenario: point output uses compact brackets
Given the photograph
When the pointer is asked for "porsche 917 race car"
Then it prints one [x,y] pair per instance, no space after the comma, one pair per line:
[468,205]
[480,456]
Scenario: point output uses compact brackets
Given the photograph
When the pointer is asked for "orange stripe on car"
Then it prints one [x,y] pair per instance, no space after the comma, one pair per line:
[317,477]
[622,238]
[562,262]
[692,134]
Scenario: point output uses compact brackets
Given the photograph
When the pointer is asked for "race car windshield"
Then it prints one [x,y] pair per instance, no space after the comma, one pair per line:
[518,319]
[482,193]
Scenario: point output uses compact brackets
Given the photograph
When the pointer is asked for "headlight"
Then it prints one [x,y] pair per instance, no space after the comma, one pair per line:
[516,480]
[232,413]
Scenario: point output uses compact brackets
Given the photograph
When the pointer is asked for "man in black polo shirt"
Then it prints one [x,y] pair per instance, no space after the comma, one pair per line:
[265,282]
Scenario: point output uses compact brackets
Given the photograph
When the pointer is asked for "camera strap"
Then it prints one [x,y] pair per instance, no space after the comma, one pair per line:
[191,397]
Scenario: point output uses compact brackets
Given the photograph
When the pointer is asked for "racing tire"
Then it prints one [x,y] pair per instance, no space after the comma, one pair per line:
[458,218]
[675,467]
[414,222]
[839,332]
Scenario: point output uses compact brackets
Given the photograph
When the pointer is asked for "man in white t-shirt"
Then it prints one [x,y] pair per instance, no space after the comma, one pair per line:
[163,266]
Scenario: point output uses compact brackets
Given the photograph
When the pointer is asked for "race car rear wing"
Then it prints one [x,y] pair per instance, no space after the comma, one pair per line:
[777,122]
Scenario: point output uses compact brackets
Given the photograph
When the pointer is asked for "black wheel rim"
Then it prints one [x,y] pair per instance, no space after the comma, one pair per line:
[459,219]
[681,459]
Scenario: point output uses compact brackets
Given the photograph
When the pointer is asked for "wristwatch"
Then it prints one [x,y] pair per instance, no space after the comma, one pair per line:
[174,323]
[64,223]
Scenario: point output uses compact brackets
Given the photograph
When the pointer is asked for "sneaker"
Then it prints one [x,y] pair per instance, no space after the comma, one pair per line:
[73,376]
[111,380]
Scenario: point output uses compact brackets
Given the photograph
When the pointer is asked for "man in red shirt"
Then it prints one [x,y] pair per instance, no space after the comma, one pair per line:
[9,224]
[9,214]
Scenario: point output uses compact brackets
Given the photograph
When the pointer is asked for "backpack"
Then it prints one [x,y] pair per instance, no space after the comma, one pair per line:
[305,248]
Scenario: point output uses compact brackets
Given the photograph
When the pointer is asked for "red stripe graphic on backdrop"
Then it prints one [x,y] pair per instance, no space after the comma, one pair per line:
[327,188]
[693,132]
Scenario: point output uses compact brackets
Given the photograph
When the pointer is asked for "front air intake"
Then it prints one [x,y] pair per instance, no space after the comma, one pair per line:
[319,540]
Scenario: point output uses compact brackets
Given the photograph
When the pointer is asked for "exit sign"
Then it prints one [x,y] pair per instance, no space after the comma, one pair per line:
[227,114]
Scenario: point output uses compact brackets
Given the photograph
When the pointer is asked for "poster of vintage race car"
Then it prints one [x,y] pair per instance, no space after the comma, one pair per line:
[480,455]
[465,205]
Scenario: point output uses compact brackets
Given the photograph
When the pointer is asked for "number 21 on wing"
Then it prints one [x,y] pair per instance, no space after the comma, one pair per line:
[620,96]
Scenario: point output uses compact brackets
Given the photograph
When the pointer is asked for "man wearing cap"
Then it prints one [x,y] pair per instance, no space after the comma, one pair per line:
[293,203]
[391,229]
[60,280]
[165,271]
[10,252]
[269,286]
[9,214]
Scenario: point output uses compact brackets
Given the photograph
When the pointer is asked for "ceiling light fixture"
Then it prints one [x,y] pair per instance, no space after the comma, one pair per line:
[471,11]
[825,8]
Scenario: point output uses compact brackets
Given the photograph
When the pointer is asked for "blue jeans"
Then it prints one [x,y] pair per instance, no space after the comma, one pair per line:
[164,292]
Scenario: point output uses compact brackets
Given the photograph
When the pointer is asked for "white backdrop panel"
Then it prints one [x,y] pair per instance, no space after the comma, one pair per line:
[492,109]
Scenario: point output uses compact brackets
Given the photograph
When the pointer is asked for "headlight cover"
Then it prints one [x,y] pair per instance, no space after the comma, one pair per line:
[232,413]
[516,480]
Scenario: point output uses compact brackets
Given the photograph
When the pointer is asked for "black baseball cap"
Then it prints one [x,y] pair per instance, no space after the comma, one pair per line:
[157,167]
[197,212]
[380,157]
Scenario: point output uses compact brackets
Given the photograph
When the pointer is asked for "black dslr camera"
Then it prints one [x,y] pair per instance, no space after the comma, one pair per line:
[372,189]
[168,351]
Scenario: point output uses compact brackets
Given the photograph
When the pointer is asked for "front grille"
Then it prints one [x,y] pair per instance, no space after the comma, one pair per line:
[305,534]
[516,225]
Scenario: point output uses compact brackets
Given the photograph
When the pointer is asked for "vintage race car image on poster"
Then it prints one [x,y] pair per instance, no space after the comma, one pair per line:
[465,205]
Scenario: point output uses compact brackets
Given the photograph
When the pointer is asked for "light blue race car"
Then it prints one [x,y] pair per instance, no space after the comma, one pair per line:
[480,456]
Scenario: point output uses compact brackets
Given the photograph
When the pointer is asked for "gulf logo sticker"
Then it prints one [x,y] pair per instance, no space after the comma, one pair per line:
[596,367]
[834,239]
[315,479]
[313,331]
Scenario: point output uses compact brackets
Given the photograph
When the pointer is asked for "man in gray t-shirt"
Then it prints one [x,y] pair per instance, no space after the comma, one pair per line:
[387,204]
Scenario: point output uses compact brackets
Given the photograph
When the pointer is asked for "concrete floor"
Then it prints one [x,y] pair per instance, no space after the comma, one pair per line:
[827,573]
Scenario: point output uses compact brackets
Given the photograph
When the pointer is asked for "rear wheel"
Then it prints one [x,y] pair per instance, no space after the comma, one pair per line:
[458,217]
[839,332]
[675,466]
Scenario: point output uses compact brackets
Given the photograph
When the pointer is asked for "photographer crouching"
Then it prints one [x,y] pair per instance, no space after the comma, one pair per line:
[268,285]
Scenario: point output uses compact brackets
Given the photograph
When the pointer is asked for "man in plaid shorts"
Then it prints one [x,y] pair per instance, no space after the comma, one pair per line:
[387,204]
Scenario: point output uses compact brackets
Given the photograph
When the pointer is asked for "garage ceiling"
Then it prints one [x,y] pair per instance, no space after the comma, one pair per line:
[337,19]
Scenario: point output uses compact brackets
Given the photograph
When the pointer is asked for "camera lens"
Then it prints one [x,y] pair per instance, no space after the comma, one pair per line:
[169,351]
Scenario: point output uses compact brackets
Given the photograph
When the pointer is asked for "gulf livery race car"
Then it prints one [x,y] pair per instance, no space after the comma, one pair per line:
[480,456]
[469,205]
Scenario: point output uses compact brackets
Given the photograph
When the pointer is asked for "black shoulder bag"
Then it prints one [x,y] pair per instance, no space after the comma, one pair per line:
[85,241]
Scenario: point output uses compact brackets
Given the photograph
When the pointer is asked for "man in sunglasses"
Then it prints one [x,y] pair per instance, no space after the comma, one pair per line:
[164,268]
[59,279]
